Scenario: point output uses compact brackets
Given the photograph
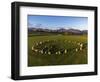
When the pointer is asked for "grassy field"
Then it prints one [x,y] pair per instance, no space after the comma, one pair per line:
[57,50]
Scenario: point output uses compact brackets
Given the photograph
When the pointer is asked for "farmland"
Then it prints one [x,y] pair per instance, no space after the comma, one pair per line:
[57,49]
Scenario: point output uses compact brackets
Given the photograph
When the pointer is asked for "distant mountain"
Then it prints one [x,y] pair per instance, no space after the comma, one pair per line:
[61,30]
[74,31]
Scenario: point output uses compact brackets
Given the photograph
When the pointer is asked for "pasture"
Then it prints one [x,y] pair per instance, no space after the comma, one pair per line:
[45,50]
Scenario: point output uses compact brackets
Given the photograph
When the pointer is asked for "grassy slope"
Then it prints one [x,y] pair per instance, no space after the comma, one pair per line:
[79,57]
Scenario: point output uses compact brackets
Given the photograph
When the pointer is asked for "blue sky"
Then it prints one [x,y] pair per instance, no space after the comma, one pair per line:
[56,22]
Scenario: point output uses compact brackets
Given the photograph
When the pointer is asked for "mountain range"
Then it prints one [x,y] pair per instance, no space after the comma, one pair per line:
[61,30]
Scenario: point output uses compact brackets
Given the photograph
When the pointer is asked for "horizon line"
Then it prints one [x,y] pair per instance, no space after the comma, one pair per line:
[58,28]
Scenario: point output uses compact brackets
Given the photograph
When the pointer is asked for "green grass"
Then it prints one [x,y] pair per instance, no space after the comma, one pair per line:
[56,43]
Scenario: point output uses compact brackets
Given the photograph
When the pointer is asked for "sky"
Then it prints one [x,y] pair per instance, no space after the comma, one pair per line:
[57,22]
